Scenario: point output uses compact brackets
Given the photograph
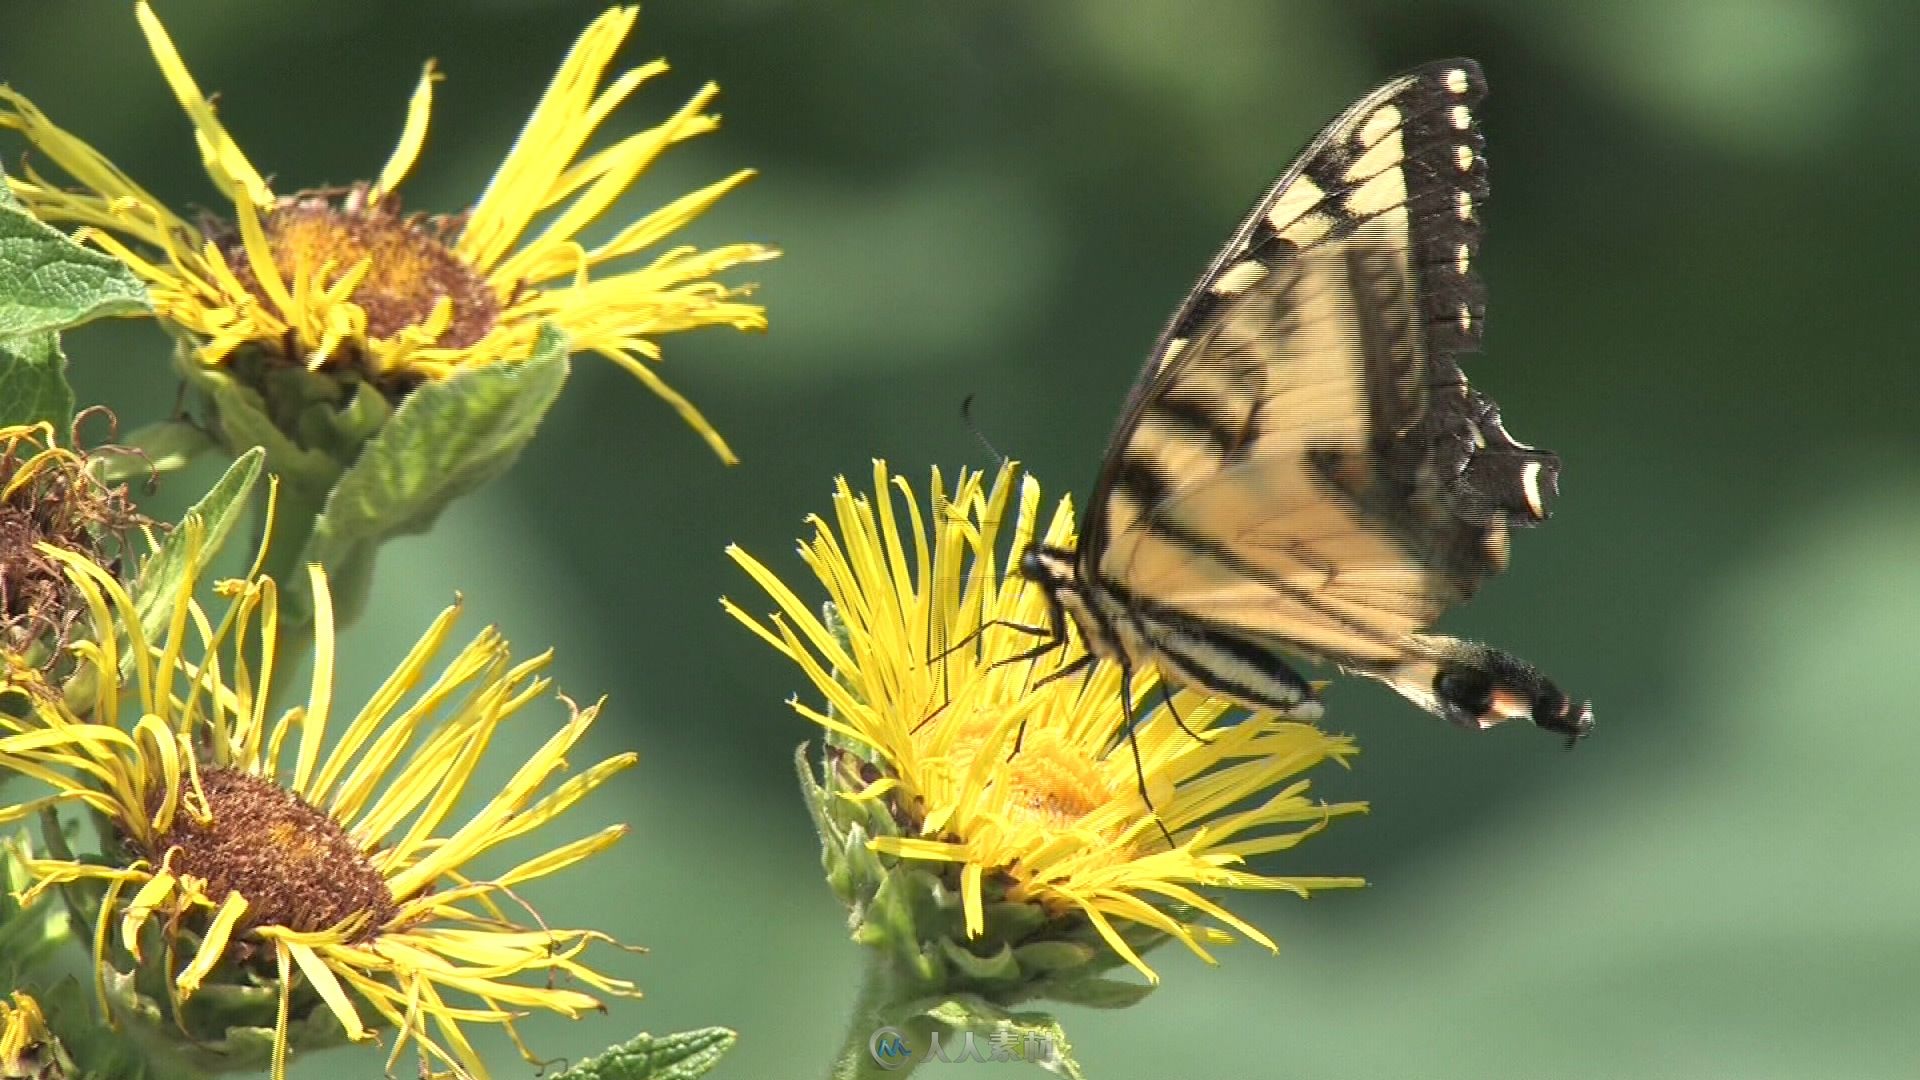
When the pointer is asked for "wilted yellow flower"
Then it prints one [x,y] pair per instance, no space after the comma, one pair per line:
[48,498]
[27,1048]
[343,278]
[1012,782]
[333,865]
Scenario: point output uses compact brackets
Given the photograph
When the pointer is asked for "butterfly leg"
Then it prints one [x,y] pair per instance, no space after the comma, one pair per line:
[1056,633]
[1133,743]
[942,707]
[1056,637]
[1052,634]
[1084,663]
[1025,628]
[1166,698]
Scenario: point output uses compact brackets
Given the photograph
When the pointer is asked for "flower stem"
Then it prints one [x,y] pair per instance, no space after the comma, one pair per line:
[883,989]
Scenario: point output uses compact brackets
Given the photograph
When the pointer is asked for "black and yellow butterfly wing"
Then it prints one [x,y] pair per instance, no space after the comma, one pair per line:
[1302,467]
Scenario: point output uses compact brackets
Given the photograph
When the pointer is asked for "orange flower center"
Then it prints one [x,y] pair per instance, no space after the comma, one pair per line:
[1050,782]
[1058,785]
[409,265]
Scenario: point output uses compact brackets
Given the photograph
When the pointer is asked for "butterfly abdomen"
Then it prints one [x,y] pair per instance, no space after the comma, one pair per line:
[1213,660]
[1185,650]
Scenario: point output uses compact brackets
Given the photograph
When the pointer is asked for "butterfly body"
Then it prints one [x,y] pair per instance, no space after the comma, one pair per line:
[1302,469]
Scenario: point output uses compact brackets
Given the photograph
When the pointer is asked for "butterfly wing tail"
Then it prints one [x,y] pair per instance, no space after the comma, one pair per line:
[1477,686]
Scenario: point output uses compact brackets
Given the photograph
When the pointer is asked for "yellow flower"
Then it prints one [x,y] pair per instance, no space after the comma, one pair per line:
[344,279]
[331,864]
[26,1046]
[1014,784]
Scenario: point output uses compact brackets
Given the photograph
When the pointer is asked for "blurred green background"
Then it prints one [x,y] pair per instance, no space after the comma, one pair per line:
[1701,265]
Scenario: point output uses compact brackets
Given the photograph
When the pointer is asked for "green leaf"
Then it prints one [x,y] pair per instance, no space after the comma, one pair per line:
[682,1056]
[33,381]
[997,967]
[1054,955]
[1012,920]
[1034,1037]
[1094,992]
[216,513]
[48,282]
[27,935]
[445,440]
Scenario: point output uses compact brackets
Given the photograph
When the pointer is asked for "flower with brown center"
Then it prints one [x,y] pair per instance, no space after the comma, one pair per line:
[322,860]
[343,280]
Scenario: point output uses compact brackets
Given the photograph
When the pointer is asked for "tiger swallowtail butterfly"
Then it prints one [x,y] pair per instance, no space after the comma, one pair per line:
[1301,467]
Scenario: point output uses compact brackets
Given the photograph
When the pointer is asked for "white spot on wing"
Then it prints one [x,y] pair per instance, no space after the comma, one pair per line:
[1457,82]
[1462,258]
[1173,350]
[1466,319]
[1463,157]
[1462,117]
[1507,435]
[1530,487]
[1463,205]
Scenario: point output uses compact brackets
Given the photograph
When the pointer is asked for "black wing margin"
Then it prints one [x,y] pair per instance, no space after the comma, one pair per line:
[1434,174]
[1384,204]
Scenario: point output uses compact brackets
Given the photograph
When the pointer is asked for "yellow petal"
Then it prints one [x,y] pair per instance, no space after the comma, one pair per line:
[553,134]
[225,162]
[214,946]
[412,137]
[321,976]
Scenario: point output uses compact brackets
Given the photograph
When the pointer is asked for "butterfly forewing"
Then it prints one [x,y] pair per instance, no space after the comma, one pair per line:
[1302,465]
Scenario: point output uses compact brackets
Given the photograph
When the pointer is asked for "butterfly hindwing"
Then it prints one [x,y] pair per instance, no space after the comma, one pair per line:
[1302,464]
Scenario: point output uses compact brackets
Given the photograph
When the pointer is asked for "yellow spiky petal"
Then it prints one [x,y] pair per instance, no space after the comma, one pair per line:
[441,952]
[1062,819]
[333,292]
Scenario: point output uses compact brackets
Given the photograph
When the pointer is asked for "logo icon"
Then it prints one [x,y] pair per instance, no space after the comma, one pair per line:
[888,1046]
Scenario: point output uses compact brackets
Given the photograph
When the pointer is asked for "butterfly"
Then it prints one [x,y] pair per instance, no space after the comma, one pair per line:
[1302,468]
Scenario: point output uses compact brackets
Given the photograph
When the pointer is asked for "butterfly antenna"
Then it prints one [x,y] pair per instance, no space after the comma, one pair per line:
[966,417]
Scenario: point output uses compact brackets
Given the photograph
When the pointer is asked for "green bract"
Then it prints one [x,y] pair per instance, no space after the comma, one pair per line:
[357,470]
[681,1056]
[926,977]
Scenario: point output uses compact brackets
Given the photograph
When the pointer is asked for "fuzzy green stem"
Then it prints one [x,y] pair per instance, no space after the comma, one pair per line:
[884,988]
[294,515]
